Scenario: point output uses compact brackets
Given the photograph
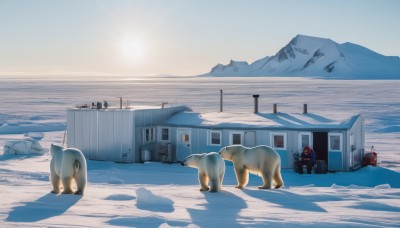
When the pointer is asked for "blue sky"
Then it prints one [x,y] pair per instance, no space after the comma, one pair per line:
[180,37]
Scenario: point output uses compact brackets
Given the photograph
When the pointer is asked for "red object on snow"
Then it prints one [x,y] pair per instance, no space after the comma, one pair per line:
[370,159]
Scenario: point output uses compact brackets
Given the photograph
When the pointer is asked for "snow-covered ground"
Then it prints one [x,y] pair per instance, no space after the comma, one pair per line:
[158,194]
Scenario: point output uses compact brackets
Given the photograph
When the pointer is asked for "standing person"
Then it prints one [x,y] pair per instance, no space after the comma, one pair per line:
[307,158]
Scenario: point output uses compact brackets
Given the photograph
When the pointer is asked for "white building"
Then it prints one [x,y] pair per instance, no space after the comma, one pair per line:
[171,134]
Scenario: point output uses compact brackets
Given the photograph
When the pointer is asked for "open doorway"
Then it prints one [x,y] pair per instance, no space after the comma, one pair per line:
[320,145]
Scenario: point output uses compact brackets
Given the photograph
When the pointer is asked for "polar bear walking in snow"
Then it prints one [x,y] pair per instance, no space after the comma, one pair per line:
[260,160]
[211,169]
[67,164]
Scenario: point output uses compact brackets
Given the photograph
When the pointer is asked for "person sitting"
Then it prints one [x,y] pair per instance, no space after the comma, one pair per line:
[307,158]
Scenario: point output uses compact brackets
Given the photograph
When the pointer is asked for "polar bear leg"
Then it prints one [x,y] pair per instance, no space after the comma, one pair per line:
[81,180]
[55,181]
[214,184]
[278,177]
[80,184]
[203,179]
[221,179]
[267,179]
[242,176]
[67,183]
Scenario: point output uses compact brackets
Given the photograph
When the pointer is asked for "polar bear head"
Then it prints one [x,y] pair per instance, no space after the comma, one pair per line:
[55,149]
[229,152]
[192,160]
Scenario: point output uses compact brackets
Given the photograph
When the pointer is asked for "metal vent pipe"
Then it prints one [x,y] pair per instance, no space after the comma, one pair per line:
[304,108]
[256,96]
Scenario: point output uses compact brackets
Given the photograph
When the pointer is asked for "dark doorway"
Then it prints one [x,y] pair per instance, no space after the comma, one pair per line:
[320,145]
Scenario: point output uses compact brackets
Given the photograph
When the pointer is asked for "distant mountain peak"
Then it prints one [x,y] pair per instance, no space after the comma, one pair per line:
[313,56]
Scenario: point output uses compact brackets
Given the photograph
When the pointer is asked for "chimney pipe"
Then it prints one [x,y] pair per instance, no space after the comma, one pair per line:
[120,103]
[256,96]
[304,108]
[220,101]
[275,109]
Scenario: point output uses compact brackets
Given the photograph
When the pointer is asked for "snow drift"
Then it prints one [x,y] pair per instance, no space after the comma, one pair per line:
[23,147]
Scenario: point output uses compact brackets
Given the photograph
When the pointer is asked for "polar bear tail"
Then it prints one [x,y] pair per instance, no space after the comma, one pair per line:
[77,166]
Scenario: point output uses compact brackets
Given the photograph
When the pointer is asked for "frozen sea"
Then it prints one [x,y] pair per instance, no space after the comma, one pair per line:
[162,195]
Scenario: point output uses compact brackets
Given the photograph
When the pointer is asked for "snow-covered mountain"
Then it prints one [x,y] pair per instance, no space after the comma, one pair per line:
[313,56]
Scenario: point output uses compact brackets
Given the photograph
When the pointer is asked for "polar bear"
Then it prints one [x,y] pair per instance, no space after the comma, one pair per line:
[67,164]
[211,168]
[260,160]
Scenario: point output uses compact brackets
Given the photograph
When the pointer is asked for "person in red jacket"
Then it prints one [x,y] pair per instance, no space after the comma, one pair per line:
[307,158]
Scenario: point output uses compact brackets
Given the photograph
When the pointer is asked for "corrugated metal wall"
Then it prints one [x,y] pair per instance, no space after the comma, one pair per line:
[93,135]
[70,128]
[111,134]
[106,135]
[356,153]
[101,134]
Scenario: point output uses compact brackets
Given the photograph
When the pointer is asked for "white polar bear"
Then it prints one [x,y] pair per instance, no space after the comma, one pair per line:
[67,164]
[259,159]
[211,168]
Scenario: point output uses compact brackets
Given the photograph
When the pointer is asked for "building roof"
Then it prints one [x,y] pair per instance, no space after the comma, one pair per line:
[284,121]
[131,108]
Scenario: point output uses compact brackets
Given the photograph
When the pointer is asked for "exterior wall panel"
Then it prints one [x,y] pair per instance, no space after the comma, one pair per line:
[86,129]
[106,136]
[78,129]
[94,134]
[117,136]
[71,128]
[127,129]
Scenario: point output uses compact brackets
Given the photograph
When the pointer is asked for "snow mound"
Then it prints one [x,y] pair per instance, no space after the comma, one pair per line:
[25,146]
[120,197]
[35,135]
[115,181]
[383,186]
[146,200]
[21,127]
[145,196]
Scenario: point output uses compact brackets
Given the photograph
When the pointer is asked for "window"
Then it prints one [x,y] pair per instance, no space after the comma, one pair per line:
[335,141]
[304,140]
[149,134]
[278,140]
[184,137]
[236,138]
[164,134]
[214,138]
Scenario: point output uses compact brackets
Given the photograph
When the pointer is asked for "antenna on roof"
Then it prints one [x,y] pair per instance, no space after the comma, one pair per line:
[220,101]
[163,104]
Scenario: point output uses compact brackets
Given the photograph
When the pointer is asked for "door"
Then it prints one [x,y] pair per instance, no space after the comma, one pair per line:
[320,145]
[249,139]
[183,146]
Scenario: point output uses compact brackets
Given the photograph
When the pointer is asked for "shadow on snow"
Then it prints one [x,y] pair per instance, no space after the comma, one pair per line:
[47,206]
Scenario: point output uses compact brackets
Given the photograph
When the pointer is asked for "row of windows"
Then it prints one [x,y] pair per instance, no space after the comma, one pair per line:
[236,138]
[149,134]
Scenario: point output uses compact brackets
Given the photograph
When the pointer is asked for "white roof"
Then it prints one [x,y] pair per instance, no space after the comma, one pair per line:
[131,108]
[258,121]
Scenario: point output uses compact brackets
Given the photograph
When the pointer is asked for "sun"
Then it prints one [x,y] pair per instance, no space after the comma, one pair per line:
[133,50]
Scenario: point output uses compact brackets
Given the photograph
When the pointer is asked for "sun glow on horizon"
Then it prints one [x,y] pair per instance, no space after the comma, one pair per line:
[133,50]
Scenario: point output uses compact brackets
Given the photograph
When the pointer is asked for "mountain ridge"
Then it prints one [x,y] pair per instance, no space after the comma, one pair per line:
[316,57]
